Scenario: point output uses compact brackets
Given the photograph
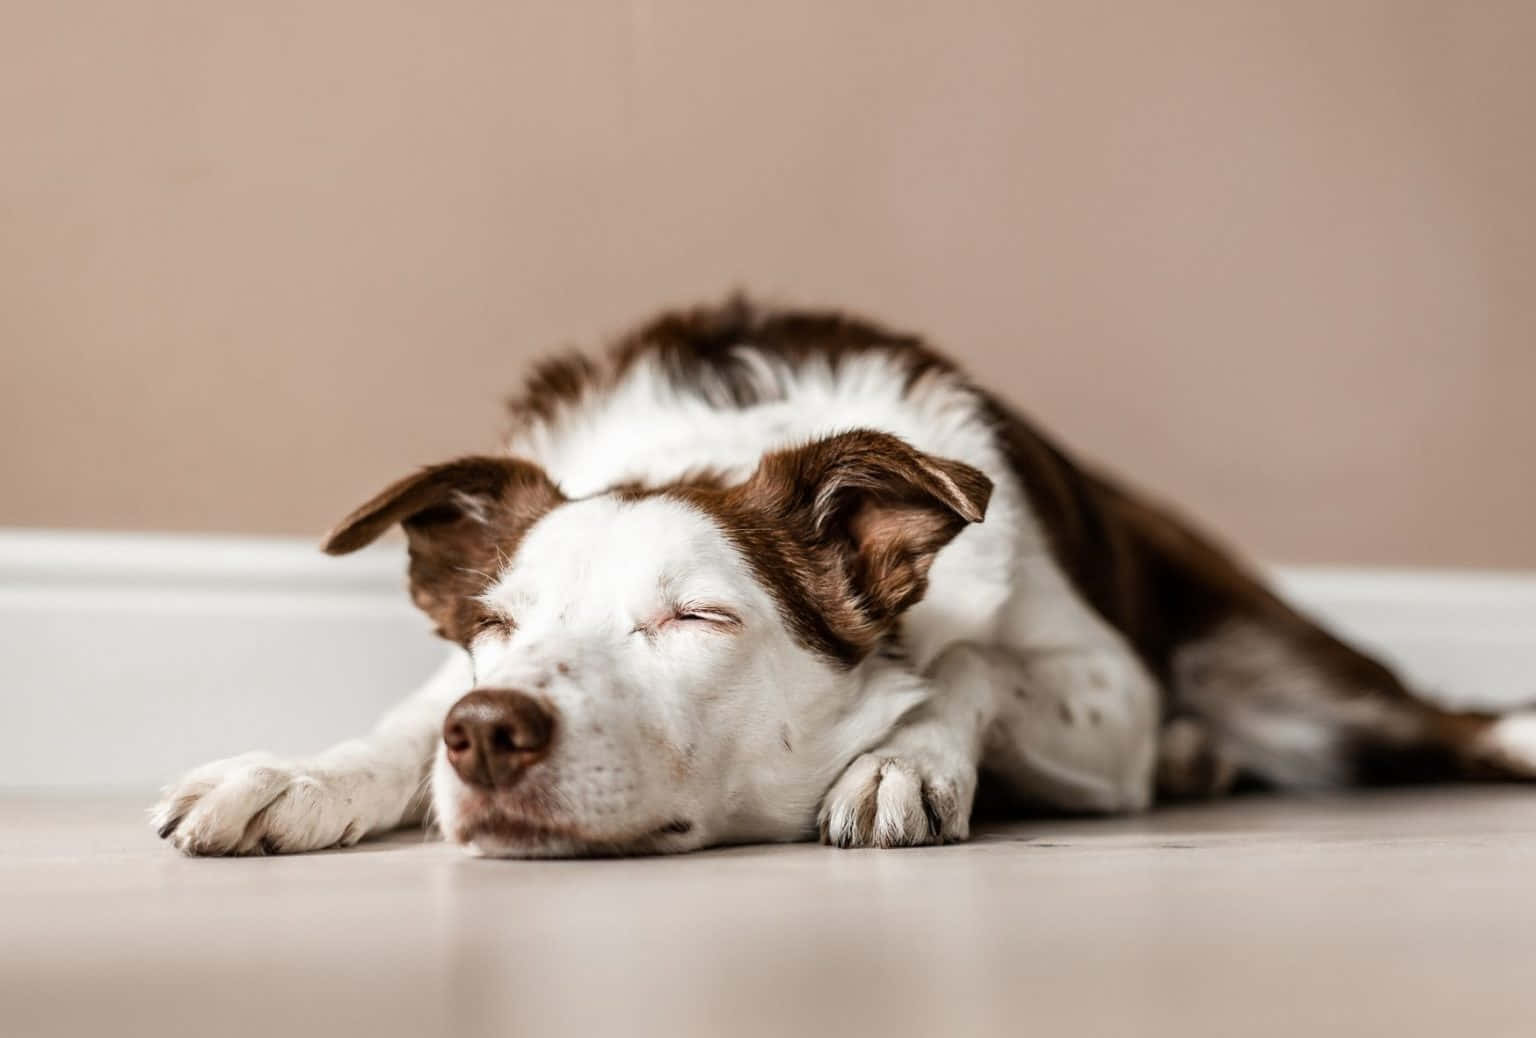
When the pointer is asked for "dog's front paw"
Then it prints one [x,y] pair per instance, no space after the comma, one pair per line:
[256,804]
[886,801]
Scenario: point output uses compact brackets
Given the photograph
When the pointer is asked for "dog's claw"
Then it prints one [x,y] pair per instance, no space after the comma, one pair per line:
[935,817]
[169,827]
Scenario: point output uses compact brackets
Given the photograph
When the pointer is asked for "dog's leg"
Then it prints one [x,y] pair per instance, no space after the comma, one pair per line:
[1290,704]
[917,786]
[260,804]
[1077,726]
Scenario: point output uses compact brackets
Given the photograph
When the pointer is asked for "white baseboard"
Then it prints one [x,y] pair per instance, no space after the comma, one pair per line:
[126,658]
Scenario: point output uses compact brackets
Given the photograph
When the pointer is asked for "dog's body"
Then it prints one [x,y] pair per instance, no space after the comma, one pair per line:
[732,584]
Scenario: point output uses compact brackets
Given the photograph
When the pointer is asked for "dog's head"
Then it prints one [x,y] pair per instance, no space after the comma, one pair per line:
[661,669]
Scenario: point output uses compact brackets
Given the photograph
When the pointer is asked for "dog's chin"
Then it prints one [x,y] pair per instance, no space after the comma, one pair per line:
[491,833]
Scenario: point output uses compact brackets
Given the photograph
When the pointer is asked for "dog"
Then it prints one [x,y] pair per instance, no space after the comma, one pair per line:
[762,575]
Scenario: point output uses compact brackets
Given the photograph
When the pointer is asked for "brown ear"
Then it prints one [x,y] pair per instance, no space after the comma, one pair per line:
[462,519]
[872,512]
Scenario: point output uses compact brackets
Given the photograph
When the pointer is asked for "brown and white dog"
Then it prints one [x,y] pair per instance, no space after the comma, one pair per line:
[732,583]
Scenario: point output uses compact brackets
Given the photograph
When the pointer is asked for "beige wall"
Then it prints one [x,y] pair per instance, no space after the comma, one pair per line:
[1275,260]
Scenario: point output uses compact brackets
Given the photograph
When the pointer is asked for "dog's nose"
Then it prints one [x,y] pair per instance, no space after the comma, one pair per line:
[494,734]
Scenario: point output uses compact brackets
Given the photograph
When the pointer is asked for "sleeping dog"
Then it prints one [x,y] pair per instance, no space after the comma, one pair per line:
[763,575]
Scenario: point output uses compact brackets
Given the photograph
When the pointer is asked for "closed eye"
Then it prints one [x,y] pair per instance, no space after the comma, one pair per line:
[707,615]
[704,617]
[495,623]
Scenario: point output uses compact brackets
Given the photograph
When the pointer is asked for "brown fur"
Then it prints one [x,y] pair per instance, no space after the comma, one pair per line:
[697,350]
[843,531]
[556,382]
[462,520]
[697,347]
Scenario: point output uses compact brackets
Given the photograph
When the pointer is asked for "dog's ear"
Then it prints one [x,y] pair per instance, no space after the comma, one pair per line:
[462,519]
[873,512]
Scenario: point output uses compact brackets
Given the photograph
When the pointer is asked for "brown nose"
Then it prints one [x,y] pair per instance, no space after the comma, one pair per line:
[494,734]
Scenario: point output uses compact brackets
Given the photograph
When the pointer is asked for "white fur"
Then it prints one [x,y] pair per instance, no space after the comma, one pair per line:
[1510,743]
[738,732]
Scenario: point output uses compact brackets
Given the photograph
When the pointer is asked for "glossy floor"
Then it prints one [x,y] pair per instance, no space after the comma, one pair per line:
[1401,913]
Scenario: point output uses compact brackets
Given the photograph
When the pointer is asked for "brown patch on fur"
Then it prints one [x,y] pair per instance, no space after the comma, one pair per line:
[556,382]
[1147,571]
[694,479]
[1165,584]
[843,531]
[699,348]
[698,352]
[462,519]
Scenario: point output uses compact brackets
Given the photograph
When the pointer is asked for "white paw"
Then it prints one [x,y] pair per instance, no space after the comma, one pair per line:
[256,804]
[886,801]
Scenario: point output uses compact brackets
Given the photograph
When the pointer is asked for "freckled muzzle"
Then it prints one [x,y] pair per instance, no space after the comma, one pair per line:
[493,735]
